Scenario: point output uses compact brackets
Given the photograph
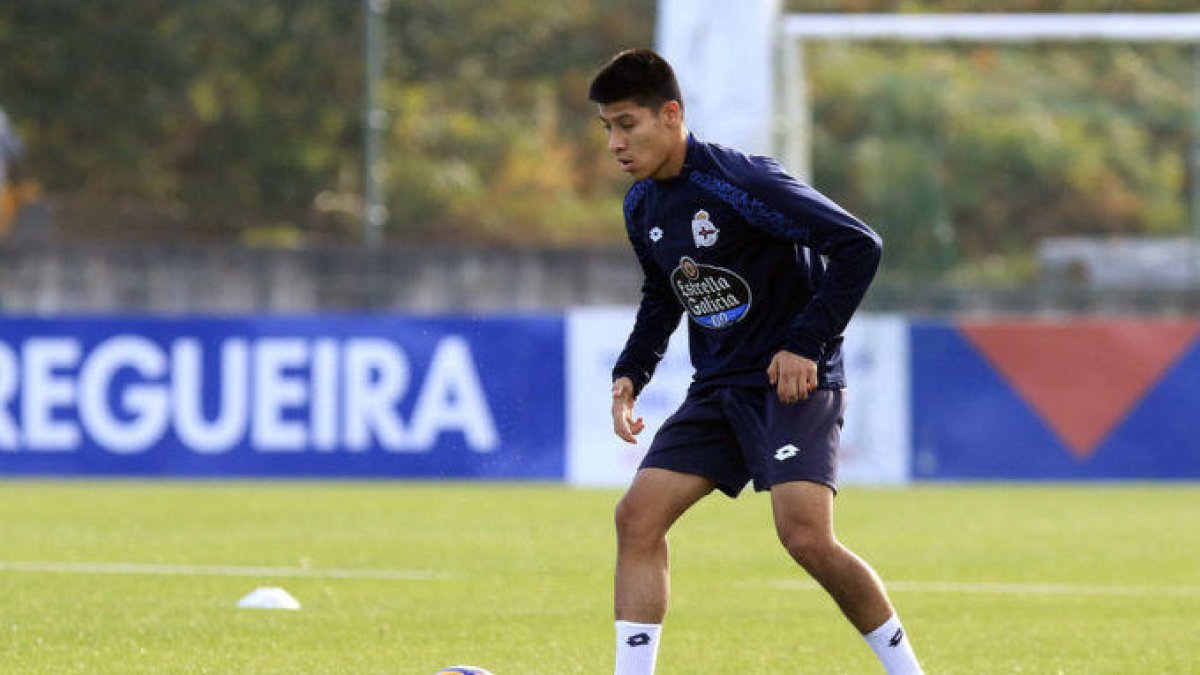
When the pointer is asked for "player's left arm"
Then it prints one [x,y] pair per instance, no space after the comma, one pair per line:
[795,211]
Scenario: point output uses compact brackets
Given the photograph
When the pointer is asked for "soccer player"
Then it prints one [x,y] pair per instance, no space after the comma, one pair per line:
[769,272]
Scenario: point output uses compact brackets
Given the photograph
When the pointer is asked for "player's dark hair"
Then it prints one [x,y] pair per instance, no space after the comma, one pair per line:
[637,75]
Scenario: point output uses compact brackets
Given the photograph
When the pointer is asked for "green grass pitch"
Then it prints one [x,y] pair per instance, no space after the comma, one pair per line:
[517,578]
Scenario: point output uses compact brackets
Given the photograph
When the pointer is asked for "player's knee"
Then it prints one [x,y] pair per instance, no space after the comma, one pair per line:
[809,546]
[636,526]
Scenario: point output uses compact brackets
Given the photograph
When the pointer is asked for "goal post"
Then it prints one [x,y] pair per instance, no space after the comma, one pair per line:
[794,135]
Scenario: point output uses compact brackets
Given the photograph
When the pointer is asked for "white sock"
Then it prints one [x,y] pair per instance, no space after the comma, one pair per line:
[895,652]
[637,648]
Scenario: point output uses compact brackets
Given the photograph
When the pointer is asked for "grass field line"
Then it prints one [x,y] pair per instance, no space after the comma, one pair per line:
[160,569]
[1011,588]
[369,574]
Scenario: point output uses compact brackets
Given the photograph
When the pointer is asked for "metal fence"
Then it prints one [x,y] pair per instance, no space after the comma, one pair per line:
[176,278]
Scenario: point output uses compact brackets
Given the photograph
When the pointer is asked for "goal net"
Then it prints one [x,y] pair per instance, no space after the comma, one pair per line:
[1004,149]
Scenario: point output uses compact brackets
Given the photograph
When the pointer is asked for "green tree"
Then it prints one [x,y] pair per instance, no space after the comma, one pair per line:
[227,114]
[227,117]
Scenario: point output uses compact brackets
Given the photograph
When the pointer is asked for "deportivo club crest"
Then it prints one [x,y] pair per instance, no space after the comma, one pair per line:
[703,230]
[714,297]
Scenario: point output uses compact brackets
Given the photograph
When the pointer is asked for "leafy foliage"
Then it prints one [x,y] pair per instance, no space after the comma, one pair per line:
[230,117]
[234,115]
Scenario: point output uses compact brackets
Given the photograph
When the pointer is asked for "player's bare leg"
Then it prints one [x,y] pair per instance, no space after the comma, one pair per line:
[804,521]
[642,585]
[653,503]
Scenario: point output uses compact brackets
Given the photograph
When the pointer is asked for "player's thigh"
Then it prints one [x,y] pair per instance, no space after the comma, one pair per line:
[656,499]
[803,512]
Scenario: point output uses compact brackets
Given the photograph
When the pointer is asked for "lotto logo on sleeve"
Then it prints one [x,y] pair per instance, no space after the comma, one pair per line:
[714,297]
[786,452]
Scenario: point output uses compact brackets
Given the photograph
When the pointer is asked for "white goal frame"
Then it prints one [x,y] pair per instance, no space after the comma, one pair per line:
[795,131]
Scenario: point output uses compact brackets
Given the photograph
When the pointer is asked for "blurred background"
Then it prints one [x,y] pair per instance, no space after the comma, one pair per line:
[189,156]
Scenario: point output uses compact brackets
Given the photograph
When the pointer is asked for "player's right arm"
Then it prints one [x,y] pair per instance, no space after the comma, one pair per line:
[656,320]
[658,311]
[657,317]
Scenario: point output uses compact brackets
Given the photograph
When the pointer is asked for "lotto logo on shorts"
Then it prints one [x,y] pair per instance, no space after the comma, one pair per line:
[786,452]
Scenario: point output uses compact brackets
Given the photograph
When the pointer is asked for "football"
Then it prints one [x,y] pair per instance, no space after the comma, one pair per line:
[463,670]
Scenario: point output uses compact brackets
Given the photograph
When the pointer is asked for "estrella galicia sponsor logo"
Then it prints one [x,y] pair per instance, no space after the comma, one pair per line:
[714,297]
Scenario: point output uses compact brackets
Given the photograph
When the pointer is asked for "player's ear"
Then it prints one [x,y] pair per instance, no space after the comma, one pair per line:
[671,113]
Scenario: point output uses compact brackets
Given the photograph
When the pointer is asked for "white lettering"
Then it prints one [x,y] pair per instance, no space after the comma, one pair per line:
[377,375]
[277,391]
[8,392]
[270,394]
[452,400]
[146,403]
[44,390]
[324,395]
[187,395]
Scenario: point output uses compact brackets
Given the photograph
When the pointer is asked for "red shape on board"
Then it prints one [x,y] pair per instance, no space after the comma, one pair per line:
[1082,376]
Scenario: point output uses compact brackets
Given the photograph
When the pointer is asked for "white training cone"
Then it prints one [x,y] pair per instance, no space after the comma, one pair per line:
[268,597]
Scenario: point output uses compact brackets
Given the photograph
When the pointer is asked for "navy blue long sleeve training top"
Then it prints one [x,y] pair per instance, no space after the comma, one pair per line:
[757,259]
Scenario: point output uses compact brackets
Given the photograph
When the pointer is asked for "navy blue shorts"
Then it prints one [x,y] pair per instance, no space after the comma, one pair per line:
[732,435]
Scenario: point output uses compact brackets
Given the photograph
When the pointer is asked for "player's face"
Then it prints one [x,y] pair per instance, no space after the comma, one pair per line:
[643,140]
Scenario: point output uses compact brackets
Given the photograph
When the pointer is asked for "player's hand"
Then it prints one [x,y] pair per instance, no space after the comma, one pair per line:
[793,376]
[625,425]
